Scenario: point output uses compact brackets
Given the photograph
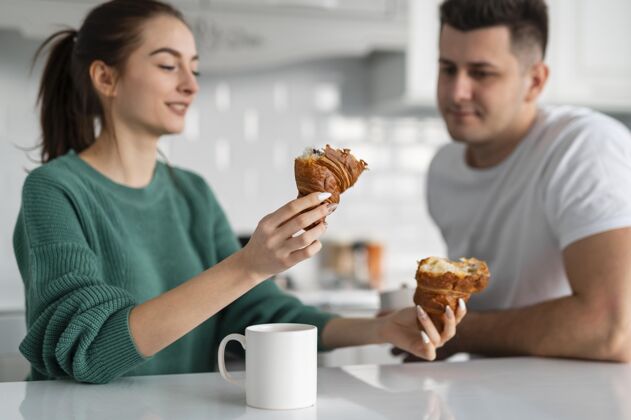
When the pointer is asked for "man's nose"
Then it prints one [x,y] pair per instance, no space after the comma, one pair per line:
[462,88]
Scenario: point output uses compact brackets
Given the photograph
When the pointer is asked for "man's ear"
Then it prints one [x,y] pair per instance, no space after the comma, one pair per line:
[103,78]
[537,76]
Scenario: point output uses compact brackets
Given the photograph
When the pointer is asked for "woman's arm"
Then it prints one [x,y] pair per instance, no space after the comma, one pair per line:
[160,321]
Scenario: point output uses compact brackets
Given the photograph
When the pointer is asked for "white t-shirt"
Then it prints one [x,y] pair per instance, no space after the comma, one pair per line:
[569,178]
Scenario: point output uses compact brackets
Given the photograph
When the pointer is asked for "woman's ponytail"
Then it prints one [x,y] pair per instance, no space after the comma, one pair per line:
[66,123]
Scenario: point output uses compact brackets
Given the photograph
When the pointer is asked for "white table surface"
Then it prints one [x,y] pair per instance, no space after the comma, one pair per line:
[510,388]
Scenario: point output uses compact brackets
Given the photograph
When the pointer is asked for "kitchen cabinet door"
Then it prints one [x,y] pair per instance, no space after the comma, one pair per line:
[590,53]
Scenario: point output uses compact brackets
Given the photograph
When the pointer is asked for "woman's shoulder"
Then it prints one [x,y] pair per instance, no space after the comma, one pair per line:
[57,173]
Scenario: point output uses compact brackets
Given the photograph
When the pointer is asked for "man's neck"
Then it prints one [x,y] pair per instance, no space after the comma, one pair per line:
[126,159]
[495,152]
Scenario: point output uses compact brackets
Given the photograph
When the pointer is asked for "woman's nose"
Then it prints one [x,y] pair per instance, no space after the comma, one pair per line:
[189,84]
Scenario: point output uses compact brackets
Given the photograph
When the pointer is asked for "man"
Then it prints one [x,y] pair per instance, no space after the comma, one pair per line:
[543,194]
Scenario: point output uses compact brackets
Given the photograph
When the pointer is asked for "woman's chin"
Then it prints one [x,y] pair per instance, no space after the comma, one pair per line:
[172,130]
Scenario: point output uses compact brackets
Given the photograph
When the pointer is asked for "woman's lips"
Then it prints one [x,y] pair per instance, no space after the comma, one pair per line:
[178,108]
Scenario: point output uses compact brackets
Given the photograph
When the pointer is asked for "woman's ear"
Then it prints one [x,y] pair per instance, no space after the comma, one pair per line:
[538,76]
[103,78]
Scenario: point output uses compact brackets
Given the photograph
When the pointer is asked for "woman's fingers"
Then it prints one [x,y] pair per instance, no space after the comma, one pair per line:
[407,337]
[449,328]
[428,326]
[304,220]
[461,311]
[423,347]
[305,239]
[304,253]
[295,207]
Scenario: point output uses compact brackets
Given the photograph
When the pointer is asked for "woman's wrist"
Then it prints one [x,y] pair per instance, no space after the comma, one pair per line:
[239,263]
[379,330]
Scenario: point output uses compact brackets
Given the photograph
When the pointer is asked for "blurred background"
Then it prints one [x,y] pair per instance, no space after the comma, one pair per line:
[278,76]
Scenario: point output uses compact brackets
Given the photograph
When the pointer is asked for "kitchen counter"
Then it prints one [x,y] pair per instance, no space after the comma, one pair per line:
[508,388]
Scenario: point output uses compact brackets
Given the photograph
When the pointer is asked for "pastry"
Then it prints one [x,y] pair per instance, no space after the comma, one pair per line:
[327,170]
[441,282]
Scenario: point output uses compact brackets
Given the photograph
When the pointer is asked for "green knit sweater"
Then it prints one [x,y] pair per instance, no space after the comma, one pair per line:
[90,249]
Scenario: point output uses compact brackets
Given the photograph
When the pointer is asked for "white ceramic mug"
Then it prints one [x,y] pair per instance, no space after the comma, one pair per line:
[281,365]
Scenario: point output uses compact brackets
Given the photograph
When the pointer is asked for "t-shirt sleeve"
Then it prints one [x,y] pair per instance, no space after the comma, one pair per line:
[589,189]
[77,324]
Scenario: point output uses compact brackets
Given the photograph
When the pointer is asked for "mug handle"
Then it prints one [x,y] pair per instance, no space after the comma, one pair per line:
[221,356]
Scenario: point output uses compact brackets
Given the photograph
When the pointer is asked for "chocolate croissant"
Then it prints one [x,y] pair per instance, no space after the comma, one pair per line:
[327,170]
[441,282]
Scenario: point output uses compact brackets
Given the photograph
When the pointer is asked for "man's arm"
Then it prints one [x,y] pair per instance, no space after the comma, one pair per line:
[593,323]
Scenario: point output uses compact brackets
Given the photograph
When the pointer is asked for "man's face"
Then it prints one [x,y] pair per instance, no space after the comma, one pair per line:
[481,86]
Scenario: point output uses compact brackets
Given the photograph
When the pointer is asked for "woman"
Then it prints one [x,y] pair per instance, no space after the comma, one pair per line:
[129,265]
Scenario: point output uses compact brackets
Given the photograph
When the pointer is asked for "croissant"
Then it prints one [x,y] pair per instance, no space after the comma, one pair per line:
[327,170]
[441,282]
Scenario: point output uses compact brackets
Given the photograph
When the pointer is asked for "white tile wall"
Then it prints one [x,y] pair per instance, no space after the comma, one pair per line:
[252,126]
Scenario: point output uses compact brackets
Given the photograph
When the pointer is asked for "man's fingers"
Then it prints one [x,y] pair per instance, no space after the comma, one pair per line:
[295,207]
[395,351]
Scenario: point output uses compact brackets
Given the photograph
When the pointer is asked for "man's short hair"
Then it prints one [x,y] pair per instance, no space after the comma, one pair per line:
[527,20]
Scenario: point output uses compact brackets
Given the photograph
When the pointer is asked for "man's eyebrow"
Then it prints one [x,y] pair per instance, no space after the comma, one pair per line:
[474,64]
[172,52]
[478,64]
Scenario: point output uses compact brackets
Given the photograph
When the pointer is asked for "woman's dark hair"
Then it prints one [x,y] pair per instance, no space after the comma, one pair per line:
[527,20]
[69,103]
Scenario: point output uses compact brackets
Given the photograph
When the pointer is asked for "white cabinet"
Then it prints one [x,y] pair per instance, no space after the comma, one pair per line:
[590,53]
[236,35]
[422,53]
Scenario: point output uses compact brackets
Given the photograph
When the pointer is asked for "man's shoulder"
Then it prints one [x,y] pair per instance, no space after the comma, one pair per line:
[574,122]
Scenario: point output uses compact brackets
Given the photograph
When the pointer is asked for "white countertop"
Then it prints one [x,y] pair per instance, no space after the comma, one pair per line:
[510,388]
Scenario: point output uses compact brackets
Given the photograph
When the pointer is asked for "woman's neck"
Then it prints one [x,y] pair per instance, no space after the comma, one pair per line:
[126,159]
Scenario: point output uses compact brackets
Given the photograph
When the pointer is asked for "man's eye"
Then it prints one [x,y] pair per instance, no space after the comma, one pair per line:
[448,70]
[165,67]
[480,74]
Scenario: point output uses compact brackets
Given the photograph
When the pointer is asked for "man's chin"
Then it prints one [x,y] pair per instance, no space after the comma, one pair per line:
[463,136]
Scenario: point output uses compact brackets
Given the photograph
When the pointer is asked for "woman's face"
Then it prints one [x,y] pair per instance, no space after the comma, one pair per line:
[159,81]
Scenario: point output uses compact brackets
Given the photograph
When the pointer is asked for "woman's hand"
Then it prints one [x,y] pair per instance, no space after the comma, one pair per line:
[401,329]
[279,242]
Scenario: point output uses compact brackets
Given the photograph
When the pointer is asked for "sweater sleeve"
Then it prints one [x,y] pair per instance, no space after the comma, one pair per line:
[77,323]
[265,303]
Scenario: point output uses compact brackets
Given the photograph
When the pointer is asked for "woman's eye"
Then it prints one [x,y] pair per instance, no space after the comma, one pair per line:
[195,73]
[165,67]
